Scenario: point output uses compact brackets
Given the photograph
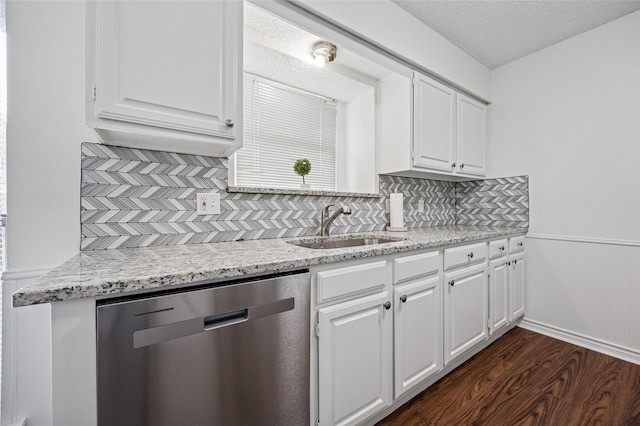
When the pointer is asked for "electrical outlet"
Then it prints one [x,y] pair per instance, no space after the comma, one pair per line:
[420,206]
[208,203]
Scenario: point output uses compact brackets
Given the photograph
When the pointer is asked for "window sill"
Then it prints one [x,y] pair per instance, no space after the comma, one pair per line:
[307,192]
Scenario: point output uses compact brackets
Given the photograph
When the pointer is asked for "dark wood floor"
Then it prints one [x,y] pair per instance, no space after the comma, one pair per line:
[525,378]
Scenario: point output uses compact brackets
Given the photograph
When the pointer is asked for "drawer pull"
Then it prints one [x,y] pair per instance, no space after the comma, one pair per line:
[515,261]
[387,305]
[470,255]
[520,244]
[451,283]
[501,248]
[403,298]
[453,165]
[508,263]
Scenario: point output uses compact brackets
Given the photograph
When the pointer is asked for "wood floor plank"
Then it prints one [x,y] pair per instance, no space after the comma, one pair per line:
[525,378]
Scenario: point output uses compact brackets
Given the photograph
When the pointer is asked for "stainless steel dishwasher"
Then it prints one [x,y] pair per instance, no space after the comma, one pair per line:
[231,353]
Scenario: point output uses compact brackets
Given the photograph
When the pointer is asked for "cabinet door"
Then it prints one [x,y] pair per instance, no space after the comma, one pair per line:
[355,349]
[434,106]
[498,294]
[516,284]
[465,310]
[171,65]
[471,134]
[417,332]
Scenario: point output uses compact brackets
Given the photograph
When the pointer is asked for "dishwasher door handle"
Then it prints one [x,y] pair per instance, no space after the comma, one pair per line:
[164,333]
[223,320]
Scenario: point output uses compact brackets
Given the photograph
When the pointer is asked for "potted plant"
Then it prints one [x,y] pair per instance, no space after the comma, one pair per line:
[302,167]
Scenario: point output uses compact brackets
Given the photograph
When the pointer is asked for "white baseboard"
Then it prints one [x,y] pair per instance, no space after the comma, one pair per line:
[606,348]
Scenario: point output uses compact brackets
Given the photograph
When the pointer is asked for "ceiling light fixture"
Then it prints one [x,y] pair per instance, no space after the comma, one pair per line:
[323,52]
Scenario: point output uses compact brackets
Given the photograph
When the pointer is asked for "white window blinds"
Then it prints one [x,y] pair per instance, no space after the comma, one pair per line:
[282,124]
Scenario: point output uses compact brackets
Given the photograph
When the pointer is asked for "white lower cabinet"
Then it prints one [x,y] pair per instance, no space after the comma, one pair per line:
[498,294]
[388,327]
[417,332]
[506,290]
[355,359]
[354,341]
[516,286]
[465,309]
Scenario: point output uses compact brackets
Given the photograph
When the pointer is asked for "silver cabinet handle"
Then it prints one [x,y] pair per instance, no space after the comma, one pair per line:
[520,244]
[470,255]
[515,261]
[462,165]
[501,248]
[508,263]
[451,283]
[229,123]
[403,298]
[453,165]
[387,305]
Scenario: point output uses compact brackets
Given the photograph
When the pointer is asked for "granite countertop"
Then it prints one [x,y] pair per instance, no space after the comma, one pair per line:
[115,272]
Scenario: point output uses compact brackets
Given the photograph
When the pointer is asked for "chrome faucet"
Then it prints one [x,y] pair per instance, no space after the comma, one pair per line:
[328,220]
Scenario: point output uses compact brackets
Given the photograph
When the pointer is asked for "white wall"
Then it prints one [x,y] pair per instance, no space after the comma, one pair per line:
[26,360]
[44,131]
[356,155]
[569,117]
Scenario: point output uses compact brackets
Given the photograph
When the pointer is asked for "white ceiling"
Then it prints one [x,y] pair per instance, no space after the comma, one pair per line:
[498,32]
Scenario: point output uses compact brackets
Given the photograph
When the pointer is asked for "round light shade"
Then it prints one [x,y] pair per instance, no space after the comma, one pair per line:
[323,52]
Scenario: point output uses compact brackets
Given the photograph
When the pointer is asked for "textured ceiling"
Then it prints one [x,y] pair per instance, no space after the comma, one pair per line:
[280,51]
[498,32]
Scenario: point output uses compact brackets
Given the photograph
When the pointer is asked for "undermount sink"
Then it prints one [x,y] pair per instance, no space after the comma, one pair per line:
[342,243]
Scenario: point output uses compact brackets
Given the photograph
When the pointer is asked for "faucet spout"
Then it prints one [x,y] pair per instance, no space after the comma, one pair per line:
[328,220]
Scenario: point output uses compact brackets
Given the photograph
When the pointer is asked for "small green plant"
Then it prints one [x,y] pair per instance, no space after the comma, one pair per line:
[302,167]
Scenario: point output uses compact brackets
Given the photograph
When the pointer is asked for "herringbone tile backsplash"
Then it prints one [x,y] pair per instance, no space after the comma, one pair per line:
[439,200]
[136,198]
[494,202]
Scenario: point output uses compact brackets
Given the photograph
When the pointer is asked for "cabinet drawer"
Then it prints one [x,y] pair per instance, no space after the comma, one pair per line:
[465,255]
[414,266]
[498,248]
[351,280]
[516,244]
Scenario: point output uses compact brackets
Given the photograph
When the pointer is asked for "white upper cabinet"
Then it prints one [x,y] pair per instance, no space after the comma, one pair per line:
[434,126]
[471,136]
[428,129]
[165,75]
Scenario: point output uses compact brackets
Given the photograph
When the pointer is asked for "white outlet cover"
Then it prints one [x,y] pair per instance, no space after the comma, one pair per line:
[208,203]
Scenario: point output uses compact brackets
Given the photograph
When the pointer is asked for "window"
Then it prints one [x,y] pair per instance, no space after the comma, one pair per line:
[282,124]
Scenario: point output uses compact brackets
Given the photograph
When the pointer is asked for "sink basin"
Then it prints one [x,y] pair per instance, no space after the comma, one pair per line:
[342,243]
